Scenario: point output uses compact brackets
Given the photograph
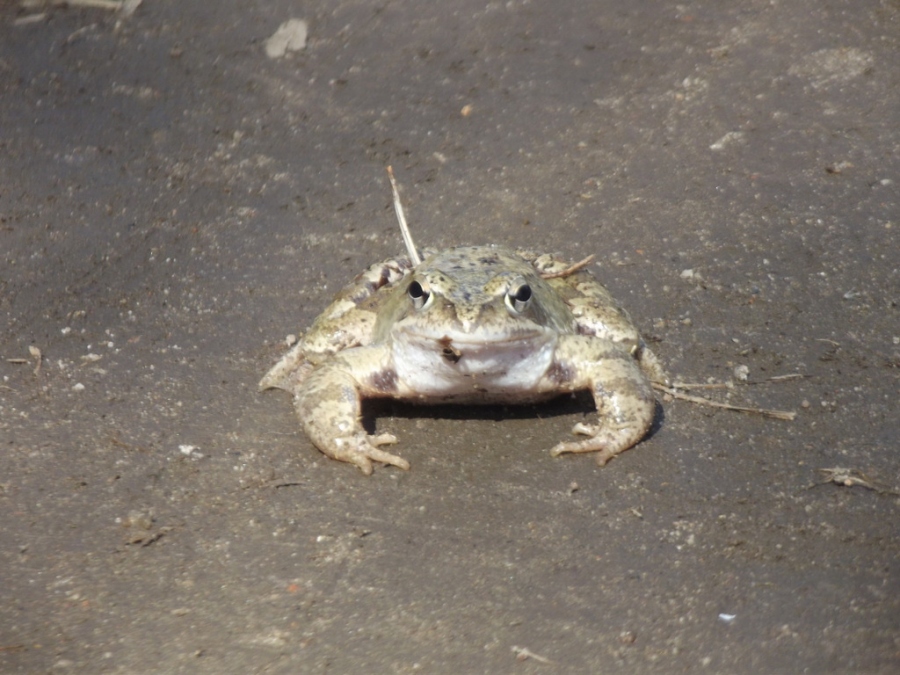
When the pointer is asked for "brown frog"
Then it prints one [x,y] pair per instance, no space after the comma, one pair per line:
[469,324]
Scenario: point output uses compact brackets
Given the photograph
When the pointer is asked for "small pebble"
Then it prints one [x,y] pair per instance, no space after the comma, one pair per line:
[290,36]
[627,637]
[190,451]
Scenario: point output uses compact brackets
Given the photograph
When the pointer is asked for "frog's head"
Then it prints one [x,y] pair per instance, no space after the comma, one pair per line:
[473,309]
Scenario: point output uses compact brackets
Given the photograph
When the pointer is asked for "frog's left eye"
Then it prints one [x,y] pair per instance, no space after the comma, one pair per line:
[519,297]
[419,296]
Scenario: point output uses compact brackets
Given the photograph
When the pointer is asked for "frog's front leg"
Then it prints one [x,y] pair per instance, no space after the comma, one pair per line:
[624,398]
[347,322]
[329,403]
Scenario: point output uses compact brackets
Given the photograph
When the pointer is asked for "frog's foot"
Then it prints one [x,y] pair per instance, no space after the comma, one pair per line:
[329,405]
[361,450]
[607,441]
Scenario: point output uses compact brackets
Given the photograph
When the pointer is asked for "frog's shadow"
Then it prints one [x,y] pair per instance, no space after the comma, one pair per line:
[561,406]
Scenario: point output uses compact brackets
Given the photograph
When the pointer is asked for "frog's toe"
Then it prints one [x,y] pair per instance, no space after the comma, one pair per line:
[361,451]
[583,429]
[598,445]
[606,441]
[359,460]
[388,458]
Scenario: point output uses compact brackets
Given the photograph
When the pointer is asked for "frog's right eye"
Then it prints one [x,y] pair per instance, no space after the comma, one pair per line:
[419,296]
[519,297]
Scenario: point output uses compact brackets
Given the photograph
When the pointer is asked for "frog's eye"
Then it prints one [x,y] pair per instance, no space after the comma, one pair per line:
[419,296]
[519,297]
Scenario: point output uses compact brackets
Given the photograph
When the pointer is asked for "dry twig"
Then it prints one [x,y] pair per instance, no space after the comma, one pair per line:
[674,393]
[523,654]
[404,228]
[571,269]
[111,5]
[702,385]
[789,376]
[851,478]
[730,385]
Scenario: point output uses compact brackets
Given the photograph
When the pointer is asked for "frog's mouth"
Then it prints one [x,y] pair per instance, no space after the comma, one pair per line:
[453,366]
[454,348]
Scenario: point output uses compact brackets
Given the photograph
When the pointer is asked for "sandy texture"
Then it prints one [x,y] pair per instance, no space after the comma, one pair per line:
[173,203]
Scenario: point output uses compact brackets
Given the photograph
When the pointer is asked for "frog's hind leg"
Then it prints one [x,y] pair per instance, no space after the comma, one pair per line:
[625,405]
[289,372]
[651,365]
[329,407]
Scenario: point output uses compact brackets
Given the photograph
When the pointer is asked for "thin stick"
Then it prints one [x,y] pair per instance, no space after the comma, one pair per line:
[404,229]
[850,477]
[113,5]
[523,654]
[702,385]
[571,269]
[789,376]
[777,414]
[732,385]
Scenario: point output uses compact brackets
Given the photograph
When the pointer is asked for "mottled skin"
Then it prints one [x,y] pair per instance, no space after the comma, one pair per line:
[471,324]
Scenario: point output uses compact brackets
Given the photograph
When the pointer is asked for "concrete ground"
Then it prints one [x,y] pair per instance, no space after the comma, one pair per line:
[174,202]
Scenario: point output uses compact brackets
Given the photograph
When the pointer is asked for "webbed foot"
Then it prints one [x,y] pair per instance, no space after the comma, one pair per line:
[606,441]
[328,403]
[361,450]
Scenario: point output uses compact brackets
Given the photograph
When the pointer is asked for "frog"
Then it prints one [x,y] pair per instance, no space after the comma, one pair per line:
[471,324]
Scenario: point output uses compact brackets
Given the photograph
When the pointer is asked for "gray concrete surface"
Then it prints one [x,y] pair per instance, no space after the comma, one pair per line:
[173,203]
